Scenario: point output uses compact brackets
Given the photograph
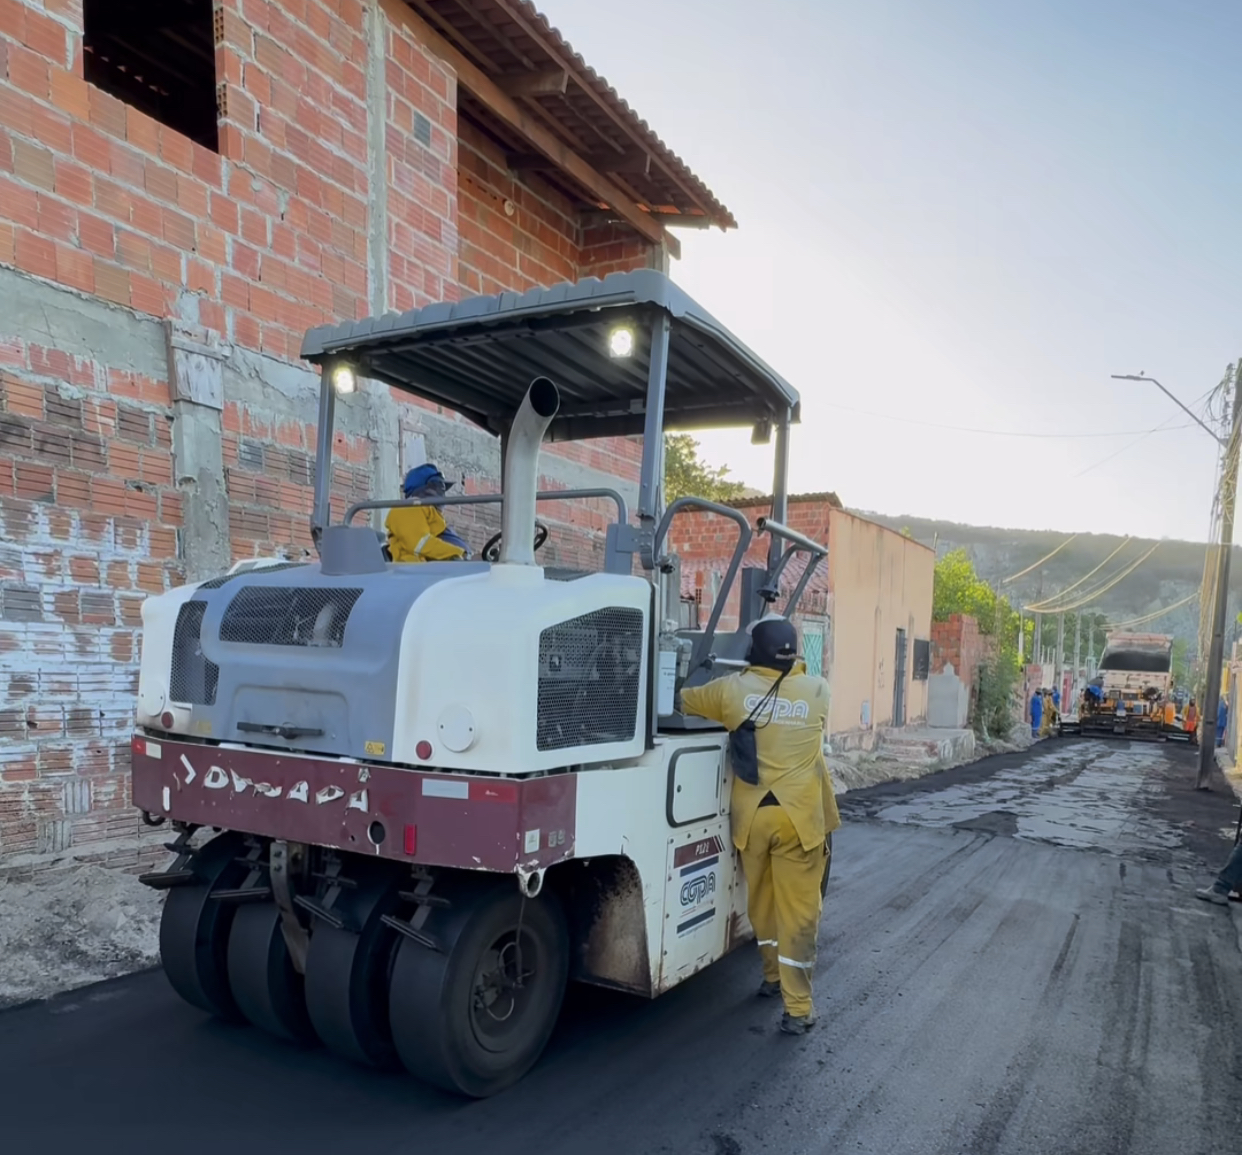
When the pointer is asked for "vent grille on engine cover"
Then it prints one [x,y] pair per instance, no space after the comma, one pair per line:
[193,678]
[589,679]
[288,616]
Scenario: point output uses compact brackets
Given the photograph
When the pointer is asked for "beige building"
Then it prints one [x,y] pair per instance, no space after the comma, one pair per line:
[864,620]
[880,599]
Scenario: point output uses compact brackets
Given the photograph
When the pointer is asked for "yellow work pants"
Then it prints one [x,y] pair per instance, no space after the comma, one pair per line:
[784,903]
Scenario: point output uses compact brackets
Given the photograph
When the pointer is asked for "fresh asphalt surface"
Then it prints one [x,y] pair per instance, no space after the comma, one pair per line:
[1012,961]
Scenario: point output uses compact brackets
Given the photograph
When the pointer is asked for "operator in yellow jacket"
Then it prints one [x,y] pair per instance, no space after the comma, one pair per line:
[419,532]
[782,817]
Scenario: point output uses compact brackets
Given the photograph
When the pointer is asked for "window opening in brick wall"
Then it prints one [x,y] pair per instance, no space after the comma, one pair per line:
[158,56]
[922,659]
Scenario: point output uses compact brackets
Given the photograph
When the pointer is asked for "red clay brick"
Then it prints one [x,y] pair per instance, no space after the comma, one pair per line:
[35,254]
[45,36]
[21,397]
[107,112]
[29,72]
[33,482]
[57,220]
[96,235]
[111,282]
[151,577]
[142,131]
[73,489]
[75,268]
[34,164]
[70,94]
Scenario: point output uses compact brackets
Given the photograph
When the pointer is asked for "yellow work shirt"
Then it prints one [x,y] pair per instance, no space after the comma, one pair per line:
[414,535]
[789,739]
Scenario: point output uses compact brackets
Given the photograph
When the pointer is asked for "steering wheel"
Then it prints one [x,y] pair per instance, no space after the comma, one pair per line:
[491,551]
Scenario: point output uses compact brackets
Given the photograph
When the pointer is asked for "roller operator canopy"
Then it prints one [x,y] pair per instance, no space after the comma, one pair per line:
[593,338]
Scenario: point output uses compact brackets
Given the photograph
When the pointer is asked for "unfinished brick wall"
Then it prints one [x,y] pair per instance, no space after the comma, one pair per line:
[90,521]
[281,229]
[704,541]
[959,643]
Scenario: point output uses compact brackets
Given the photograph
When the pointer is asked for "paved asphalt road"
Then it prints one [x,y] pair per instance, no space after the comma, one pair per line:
[1012,962]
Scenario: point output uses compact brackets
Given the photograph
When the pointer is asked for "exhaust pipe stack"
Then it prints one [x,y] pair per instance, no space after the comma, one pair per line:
[521,479]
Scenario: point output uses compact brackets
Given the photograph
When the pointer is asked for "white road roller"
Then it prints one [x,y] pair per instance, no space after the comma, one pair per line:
[444,790]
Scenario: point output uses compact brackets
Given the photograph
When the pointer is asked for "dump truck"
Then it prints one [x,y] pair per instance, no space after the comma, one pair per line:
[1128,695]
[411,802]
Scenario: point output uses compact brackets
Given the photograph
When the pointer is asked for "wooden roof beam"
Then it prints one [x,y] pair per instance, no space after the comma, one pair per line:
[488,92]
[549,82]
[519,18]
[634,161]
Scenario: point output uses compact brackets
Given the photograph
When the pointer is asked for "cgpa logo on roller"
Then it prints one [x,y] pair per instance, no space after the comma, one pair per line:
[695,890]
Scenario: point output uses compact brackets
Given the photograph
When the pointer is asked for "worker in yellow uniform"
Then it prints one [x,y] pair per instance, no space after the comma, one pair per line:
[783,807]
[419,532]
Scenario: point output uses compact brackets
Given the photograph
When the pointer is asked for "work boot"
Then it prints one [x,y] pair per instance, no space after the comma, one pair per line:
[769,990]
[1213,894]
[796,1024]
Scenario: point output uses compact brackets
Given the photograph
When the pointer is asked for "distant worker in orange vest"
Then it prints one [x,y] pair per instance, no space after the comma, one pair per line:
[1191,724]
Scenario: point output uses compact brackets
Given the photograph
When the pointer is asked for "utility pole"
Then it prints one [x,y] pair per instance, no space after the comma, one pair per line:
[1077,652]
[1216,654]
[1059,665]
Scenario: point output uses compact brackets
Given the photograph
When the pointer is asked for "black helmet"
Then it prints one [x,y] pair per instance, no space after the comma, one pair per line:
[773,643]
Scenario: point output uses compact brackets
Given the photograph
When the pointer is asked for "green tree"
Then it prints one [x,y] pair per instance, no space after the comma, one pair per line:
[687,475]
[1180,668]
[958,589]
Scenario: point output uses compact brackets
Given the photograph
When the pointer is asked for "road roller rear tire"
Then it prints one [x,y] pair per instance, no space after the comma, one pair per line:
[268,989]
[459,1021]
[194,929]
[348,974]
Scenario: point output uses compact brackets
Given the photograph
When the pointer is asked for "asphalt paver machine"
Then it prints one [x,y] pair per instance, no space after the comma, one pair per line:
[1128,695]
[411,802]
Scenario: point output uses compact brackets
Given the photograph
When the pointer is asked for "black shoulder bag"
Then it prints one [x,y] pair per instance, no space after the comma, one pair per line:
[743,751]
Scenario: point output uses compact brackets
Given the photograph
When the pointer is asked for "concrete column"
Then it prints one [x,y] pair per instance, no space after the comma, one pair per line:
[195,364]
[385,420]
[377,124]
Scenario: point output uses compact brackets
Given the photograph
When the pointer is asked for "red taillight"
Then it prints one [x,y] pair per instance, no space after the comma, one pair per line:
[139,747]
[411,840]
[423,751]
[167,720]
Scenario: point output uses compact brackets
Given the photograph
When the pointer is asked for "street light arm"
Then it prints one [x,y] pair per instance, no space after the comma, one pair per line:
[1176,401]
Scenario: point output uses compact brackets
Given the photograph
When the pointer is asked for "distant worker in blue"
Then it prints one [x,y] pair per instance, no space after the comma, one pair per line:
[419,532]
[1056,698]
[1037,712]
[1222,721]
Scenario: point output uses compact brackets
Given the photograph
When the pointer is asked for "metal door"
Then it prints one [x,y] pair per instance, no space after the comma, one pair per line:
[899,681]
[813,648]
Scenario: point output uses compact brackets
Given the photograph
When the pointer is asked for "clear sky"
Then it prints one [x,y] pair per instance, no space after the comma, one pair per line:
[962,212]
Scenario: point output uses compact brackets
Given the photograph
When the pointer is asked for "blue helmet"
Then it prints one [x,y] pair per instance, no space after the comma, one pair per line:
[424,477]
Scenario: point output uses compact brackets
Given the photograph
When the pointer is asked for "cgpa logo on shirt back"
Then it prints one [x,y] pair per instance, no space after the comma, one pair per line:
[782,710]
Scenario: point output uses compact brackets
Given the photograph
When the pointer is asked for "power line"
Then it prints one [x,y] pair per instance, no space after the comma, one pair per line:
[1041,561]
[1046,607]
[990,432]
[1090,597]
[1142,621]
[1163,427]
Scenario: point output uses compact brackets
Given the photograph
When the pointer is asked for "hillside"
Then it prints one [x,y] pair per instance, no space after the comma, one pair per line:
[1173,572]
